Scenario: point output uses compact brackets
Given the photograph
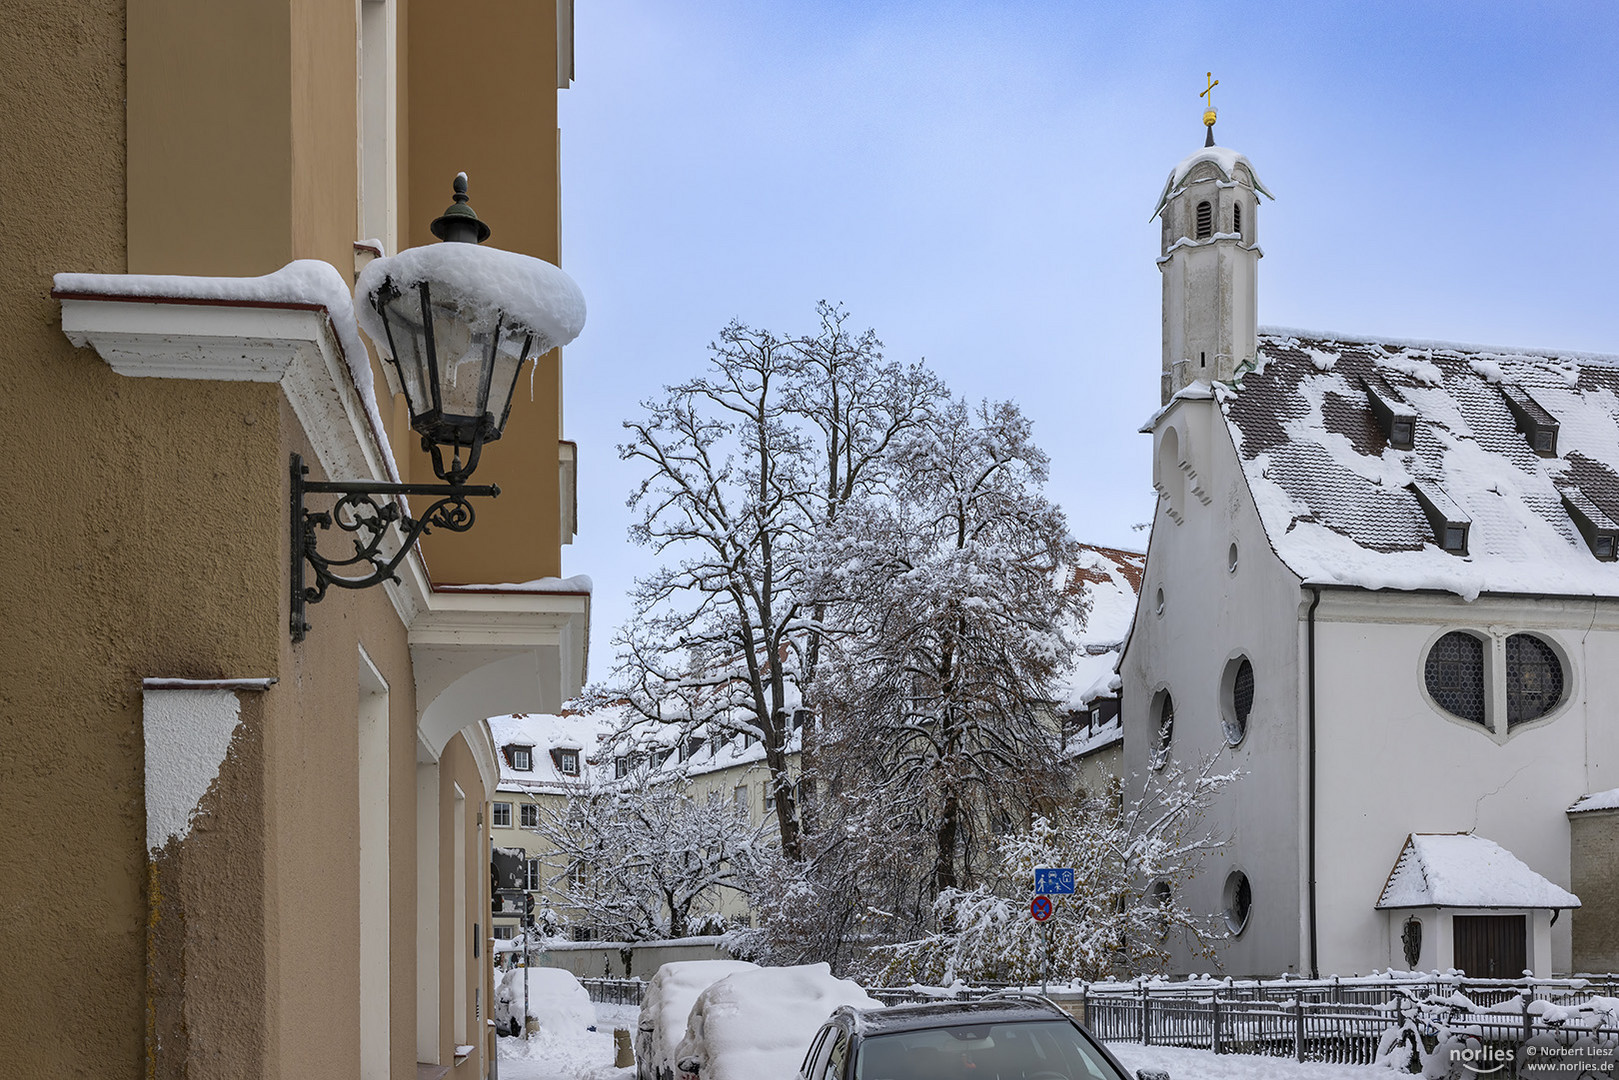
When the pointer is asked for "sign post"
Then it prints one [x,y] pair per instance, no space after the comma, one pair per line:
[1049,881]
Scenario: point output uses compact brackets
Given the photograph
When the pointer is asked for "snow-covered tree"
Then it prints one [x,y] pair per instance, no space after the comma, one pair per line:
[744,464]
[949,595]
[634,858]
[1129,865]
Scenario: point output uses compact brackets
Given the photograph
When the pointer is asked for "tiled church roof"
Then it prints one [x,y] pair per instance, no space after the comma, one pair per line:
[1342,505]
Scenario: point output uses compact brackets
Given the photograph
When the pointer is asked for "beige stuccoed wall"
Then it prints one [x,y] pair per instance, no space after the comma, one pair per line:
[457,767]
[487,105]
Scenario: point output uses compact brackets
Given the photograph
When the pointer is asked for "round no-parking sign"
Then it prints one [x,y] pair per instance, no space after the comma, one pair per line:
[1040,908]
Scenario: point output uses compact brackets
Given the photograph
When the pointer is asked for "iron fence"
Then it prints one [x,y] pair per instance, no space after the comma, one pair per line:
[614,991]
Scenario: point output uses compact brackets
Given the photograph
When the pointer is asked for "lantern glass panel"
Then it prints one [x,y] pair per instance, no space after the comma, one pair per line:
[402,314]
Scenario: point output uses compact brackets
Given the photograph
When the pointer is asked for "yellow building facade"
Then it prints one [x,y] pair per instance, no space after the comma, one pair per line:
[276,851]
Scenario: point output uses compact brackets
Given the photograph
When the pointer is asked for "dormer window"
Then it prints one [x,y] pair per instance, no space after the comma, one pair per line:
[1450,524]
[1600,531]
[521,757]
[568,762]
[621,767]
[1205,220]
[1538,425]
[1397,418]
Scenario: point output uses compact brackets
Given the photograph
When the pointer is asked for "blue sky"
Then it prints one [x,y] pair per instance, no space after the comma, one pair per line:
[974,180]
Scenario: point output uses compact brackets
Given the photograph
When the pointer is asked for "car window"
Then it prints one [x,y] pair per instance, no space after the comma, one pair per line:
[805,1070]
[837,1057]
[1050,1049]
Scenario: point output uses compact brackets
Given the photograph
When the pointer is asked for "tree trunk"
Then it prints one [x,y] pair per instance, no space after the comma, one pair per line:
[786,820]
[944,865]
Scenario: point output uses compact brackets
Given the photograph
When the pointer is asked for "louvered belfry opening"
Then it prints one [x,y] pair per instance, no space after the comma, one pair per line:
[1236,218]
[1205,220]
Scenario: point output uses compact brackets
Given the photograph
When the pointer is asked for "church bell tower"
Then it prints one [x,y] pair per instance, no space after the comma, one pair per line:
[1210,260]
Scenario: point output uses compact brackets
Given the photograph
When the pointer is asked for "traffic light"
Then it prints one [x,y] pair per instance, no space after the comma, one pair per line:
[528,909]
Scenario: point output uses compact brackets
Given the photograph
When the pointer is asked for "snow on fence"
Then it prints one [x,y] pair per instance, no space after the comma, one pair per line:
[1351,1021]
[614,991]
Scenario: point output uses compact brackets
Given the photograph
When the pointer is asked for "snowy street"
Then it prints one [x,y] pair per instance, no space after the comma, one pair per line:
[589,1056]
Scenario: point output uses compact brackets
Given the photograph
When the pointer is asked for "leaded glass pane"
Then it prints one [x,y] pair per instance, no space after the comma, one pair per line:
[1534,679]
[1455,675]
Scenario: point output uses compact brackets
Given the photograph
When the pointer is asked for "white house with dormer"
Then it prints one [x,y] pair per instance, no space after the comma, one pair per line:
[1381,584]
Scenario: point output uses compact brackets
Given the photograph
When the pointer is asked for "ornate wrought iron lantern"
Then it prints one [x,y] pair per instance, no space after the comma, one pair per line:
[456,322]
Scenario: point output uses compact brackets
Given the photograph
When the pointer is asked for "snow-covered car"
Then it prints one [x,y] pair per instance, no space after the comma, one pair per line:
[1010,1037]
[665,1003]
[755,1025]
[558,1002]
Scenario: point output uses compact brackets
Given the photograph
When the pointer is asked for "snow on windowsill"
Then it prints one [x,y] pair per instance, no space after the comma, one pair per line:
[208,684]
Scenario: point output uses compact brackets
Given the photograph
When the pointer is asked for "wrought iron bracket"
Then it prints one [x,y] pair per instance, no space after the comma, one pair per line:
[369,520]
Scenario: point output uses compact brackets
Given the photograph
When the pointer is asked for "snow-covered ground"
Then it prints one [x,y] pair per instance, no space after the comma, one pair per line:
[1202,1065]
[589,1056]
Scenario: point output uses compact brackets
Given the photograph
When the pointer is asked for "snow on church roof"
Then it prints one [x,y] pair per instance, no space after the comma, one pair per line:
[1466,870]
[1221,157]
[1337,500]
[1111,579]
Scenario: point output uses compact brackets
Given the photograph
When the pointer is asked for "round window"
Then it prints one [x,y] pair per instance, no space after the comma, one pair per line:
[1454,675]
[1231,558]
[1534,679]
[1239,901]
[1237,698]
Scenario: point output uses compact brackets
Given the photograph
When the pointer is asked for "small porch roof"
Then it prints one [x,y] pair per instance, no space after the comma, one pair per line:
[1467,871]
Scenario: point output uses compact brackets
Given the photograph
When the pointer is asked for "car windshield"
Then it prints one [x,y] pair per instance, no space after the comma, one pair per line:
[1028,1050]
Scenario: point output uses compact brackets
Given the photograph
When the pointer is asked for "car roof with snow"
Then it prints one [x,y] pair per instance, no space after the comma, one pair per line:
[939,1014]
[1358,451]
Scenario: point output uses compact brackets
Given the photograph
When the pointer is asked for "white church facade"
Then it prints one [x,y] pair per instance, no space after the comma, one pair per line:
[1381,583]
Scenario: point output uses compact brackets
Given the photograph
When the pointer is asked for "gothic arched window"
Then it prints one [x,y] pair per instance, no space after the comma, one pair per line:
[1205,220]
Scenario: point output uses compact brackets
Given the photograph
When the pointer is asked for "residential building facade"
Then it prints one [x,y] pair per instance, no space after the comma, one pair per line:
[279,845]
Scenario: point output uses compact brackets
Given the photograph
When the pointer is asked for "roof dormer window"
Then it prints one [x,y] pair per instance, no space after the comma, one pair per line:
[521,757]
[1538,425]
[1397,418]
[1601,532]
[1450,524]
[1205,220]
[566,759]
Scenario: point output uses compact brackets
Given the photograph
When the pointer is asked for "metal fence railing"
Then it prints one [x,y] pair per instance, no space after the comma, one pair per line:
[1345,1023]
[614,991]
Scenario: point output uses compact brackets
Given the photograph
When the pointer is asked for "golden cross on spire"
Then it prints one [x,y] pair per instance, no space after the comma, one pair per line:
[1208,113]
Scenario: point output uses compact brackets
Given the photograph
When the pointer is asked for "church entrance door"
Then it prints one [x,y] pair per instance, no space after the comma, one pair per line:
[1491,946]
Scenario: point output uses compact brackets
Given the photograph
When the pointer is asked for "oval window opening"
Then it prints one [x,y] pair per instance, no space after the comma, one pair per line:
[1160,601]
[1239,901]
[1164,718]
[1231,559]
[1237,698]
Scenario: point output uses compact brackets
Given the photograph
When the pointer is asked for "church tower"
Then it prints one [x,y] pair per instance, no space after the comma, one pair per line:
[1210,260]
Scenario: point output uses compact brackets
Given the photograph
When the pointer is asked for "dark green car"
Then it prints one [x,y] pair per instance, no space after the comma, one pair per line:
[1002,1037]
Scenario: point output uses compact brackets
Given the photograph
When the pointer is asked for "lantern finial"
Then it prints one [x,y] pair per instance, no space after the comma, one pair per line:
[459,223]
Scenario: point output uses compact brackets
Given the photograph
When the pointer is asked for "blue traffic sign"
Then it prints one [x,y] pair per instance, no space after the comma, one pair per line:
[1054,880]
